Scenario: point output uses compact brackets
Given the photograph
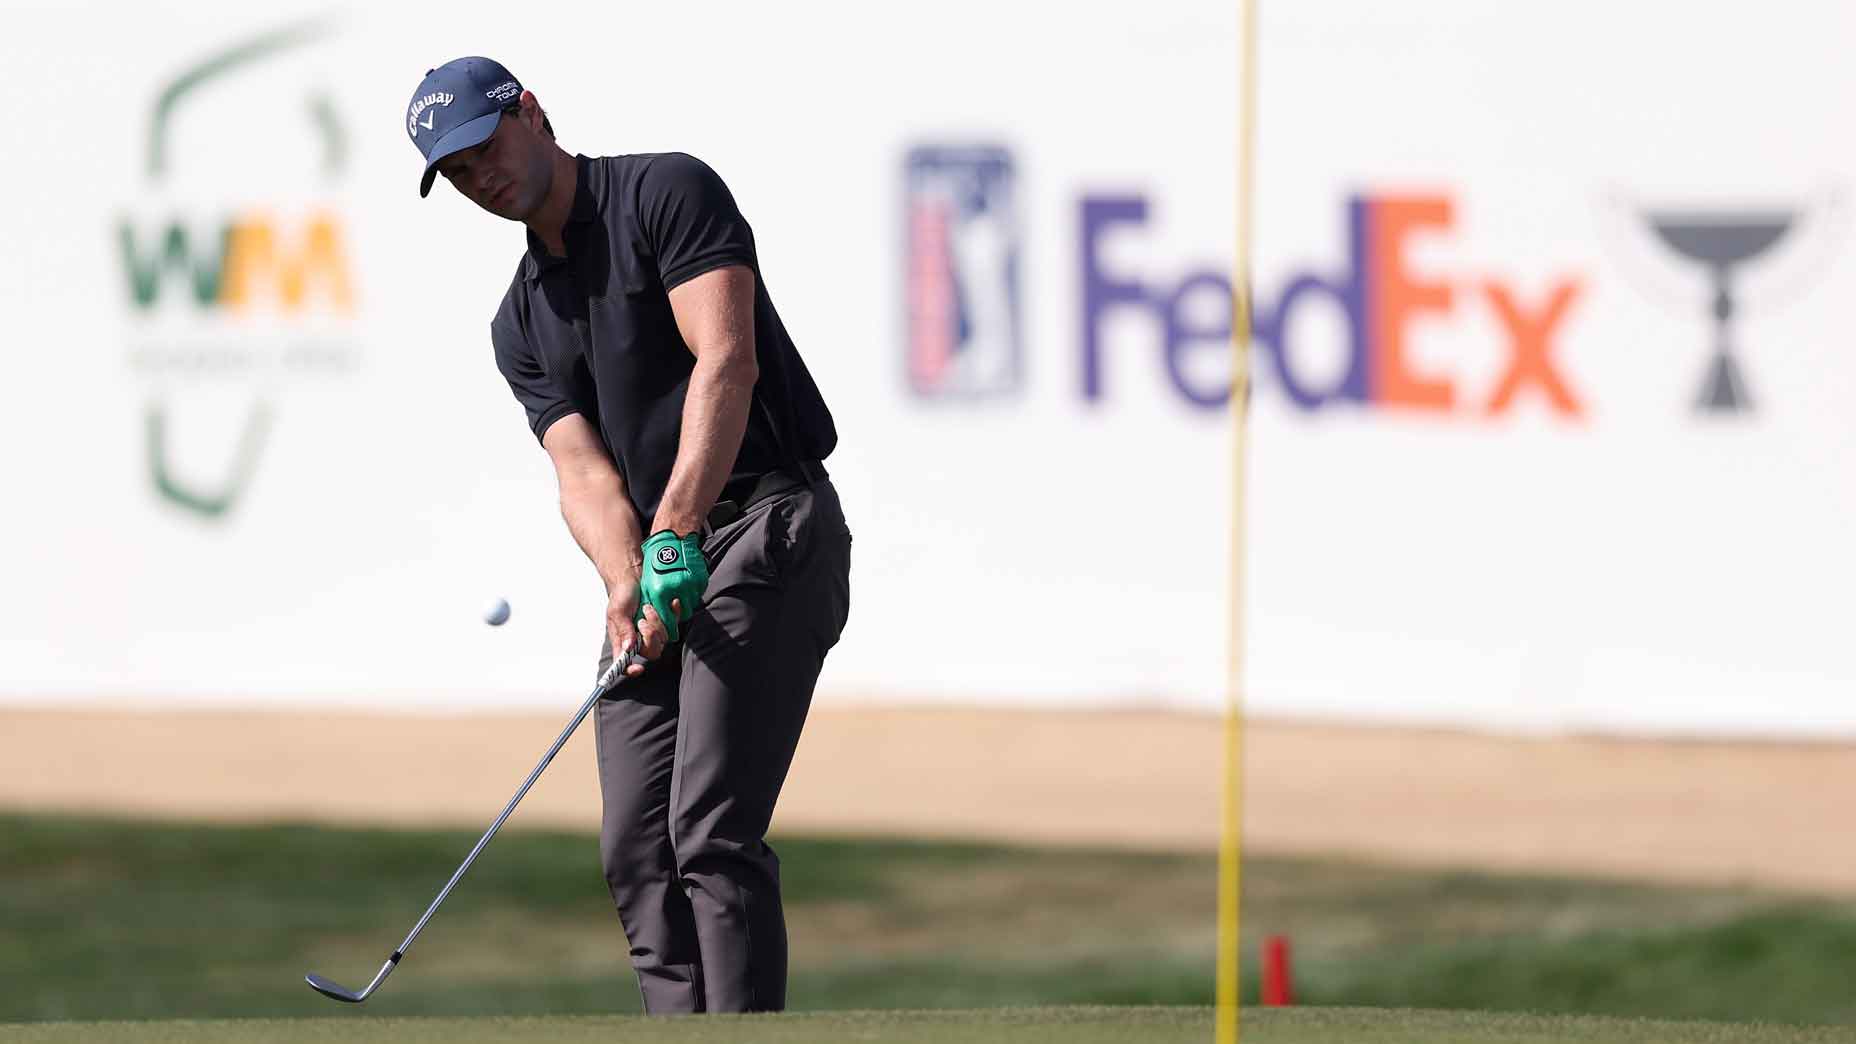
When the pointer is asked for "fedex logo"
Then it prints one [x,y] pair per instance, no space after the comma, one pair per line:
[1377,293]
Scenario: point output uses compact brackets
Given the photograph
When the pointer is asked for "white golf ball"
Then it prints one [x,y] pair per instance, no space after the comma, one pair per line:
[496,613]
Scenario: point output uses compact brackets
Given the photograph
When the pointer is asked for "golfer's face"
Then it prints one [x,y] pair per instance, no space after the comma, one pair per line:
[492,175]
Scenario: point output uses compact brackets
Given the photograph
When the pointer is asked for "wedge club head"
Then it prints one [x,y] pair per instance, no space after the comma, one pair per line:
[332,990]
[336,991]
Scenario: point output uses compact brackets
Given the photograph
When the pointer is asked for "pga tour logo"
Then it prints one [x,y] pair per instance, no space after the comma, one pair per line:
[962,279]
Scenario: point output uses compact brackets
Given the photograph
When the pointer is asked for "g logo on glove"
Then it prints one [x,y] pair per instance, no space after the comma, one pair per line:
[674,571]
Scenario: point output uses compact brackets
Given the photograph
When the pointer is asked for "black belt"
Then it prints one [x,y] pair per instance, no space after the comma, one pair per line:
[743,493]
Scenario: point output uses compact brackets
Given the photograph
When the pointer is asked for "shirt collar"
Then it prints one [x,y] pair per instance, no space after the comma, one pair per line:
[584,210]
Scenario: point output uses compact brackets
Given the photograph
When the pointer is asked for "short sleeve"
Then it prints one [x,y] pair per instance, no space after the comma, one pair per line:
[531,384]
[690,219]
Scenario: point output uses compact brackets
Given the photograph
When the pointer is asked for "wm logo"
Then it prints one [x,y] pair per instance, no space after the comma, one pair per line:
[193,272]
[245,263]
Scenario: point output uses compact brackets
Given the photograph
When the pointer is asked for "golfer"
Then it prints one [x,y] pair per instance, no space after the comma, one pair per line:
[688,441]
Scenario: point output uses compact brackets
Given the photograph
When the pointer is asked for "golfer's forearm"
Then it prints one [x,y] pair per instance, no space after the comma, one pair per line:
[603,523]
[715,417]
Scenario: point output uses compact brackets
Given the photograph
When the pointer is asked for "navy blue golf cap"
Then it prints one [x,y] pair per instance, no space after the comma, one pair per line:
[457,106]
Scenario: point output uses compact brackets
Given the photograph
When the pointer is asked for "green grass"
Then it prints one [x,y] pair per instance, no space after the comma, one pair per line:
[106,919]
[995,1026]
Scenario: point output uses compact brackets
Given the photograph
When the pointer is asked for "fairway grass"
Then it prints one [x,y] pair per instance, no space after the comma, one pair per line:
[110,919]
[1075,1025]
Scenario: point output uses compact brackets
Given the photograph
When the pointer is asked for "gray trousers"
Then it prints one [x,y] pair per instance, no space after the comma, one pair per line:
[692,756]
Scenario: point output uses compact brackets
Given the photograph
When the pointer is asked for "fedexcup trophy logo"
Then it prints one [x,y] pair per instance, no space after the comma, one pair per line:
[1730,245]
[1721,242]
[231,299]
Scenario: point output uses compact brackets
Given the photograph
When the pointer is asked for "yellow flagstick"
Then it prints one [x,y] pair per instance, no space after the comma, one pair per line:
[1230,842]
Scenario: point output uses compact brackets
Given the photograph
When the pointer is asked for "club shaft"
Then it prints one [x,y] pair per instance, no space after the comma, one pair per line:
[612,676]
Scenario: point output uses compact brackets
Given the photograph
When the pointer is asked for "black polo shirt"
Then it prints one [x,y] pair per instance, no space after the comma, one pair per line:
[592,333]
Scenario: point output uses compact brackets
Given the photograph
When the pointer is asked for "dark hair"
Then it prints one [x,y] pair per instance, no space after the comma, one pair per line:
[516,106]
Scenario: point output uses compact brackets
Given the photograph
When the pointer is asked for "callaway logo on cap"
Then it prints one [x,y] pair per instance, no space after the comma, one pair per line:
[456,107]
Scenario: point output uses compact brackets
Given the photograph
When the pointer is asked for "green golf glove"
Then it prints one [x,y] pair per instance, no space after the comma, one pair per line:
[673,568]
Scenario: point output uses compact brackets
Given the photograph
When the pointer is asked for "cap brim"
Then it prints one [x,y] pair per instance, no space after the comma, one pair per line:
[466,135]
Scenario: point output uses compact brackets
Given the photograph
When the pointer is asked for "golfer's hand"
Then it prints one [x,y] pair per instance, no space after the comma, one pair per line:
[670,587]
[653,636]
[621,625]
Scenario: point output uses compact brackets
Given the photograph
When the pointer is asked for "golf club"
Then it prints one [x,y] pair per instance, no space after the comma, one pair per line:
[613,675]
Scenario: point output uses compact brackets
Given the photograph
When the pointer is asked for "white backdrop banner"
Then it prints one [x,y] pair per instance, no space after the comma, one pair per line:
[1552,423]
